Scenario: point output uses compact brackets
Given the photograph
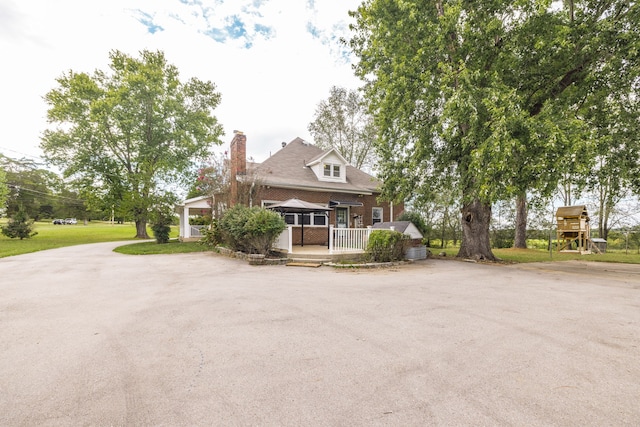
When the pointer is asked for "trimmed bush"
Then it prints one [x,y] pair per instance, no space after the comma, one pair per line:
[161,221]
[263,228]
[250,230]
[161,231]
[232,227]
[387,245]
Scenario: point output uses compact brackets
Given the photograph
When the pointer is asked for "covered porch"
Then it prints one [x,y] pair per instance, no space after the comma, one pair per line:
[319,254]
[195,206]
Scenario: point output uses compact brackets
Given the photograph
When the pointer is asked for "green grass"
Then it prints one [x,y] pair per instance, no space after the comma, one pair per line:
[538,255]
[152,248]
[56,236]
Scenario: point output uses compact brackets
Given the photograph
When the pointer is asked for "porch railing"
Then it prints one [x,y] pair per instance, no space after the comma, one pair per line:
[348,239]
[195,230]
[285,240]
[340,239]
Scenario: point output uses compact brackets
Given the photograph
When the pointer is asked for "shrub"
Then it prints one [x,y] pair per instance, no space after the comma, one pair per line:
[250,230]
[161,226]
[502,238]
[211,236]
[262,229]
[20,226]
[387,245]
[232,227]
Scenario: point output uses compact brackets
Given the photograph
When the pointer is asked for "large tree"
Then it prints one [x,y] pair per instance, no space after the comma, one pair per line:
[343,122]
[484,93]
[126,133]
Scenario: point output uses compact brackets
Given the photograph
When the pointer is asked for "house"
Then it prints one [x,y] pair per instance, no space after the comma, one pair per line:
[300,170]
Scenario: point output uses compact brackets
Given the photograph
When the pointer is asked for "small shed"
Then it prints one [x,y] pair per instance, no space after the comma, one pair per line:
[573,228]
[417,249]
[404,227]
[601,244]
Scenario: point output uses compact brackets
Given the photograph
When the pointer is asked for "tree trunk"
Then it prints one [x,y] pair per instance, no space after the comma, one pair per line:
[520,240]
[444,228]
[141,229]
[476,242]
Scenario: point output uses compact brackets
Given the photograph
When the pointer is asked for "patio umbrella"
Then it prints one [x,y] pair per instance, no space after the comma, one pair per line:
[301,207]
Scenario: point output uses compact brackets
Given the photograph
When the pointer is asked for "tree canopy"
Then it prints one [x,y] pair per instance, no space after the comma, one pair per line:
[39,192]
[343,122]
[124,134]
[485,96]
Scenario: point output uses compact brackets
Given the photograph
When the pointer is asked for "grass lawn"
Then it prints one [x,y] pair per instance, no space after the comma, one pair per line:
[537,255]
[56,236]
[152,248]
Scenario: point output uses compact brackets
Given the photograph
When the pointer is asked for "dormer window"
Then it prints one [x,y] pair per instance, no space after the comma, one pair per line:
[331,170]
[329,166]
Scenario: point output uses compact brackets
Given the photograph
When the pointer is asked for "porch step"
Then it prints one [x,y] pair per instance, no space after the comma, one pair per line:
[304,264]
[309,259]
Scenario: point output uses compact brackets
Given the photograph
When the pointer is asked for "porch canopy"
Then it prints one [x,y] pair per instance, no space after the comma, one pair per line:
[299,206]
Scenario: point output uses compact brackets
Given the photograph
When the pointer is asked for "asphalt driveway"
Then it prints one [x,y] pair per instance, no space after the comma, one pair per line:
[91,337]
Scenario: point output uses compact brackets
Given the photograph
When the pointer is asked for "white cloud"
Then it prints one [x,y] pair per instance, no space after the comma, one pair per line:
[271,70]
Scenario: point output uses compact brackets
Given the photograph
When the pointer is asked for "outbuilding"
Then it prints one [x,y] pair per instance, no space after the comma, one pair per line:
[417,250]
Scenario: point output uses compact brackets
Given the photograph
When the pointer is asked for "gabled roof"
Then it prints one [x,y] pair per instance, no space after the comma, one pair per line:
[288,168]
[405,227]
[200,202]
[572,211]
[324,154]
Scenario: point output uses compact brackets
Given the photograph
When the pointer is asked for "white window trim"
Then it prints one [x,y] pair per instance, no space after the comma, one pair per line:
[332,170]
[377,208]
[297,223]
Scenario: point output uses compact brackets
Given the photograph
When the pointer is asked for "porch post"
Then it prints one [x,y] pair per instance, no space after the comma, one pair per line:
[187,226]
[330,238]
[290,228]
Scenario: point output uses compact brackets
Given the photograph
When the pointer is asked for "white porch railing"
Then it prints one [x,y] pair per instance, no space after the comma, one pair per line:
[195,230]
[340,239]
[348,239]
[285,240]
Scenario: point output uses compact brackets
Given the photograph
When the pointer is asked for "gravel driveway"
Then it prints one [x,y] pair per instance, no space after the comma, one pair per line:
[92,337]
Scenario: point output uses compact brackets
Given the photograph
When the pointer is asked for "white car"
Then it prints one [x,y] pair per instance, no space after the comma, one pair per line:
[70,221]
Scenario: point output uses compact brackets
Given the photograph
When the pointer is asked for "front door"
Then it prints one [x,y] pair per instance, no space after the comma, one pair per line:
[342,217]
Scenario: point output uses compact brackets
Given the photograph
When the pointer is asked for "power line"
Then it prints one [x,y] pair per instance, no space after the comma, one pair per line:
[30,190]
[24,154]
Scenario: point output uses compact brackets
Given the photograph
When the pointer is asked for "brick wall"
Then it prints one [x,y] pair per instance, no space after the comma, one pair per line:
[318,235]
[238,163]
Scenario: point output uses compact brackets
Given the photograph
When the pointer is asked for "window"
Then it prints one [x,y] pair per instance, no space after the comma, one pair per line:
[376,215]
[319,219]
[331,170]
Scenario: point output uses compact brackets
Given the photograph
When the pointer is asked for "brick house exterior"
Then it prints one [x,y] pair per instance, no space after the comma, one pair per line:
[306,172]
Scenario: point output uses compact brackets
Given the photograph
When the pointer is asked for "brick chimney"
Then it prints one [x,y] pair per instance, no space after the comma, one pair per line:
[238,164]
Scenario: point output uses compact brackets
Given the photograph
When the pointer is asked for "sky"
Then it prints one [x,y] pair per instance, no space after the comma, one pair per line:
[272,61]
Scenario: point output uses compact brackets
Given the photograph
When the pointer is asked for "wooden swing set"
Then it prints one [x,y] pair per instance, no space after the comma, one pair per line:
[573,229]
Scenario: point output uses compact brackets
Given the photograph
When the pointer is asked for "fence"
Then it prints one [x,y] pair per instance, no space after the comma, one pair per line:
[348,239]
[285,240]
[340,239]
[195,230]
